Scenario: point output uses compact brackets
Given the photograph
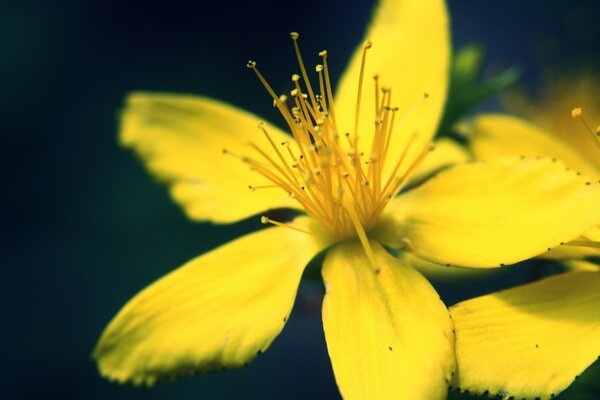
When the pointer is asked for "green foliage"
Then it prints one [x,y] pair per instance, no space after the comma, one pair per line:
[466,91]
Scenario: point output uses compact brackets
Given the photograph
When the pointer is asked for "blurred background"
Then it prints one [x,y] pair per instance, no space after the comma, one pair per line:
[84,227]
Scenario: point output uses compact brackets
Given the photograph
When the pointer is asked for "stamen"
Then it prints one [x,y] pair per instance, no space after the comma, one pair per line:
[362,236]
[331,108]
[367,45]
[280,105]
[339,184]
[253,188]
[266,220]
[295,36]
[577,113]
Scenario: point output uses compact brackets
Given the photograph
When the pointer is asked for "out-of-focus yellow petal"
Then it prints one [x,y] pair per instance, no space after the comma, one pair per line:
[410,53]
[431,270]
[581,266]
[488,214]
[497,135]
[446,153]
[181,141]
[388,334]
[551,110]
[577,252]
[531,341]
[218,310]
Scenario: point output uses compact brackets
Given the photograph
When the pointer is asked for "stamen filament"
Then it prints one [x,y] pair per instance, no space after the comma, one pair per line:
[266,220]
[577,113]
[295,36]
[366,46]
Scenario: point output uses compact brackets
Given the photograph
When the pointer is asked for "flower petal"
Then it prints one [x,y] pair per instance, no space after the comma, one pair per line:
[569,252]
[531,341]
[446,153]
[550,110]
[389,335]
[488,214]
[220,309]
[497,135]
[411,53]
[181,141]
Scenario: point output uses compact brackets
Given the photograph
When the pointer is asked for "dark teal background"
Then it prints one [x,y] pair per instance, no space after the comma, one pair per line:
[84,227]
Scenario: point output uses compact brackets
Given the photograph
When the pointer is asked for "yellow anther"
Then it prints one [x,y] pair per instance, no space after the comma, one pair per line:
[251,64]
[323,53]
[577,112]
[251,188]
[265,220]
[319,68]
[295,78]
[367,44]
[294,35]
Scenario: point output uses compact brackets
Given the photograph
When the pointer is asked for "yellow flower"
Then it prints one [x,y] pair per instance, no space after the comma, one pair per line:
[552,128]
[538,338]
[388,333]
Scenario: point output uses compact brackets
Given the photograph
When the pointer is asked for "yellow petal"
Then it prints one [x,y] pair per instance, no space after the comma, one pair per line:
[441,273]
[569,252]
[529,342]
[497,135]
[181,141]
[388,334]
[446,153]
[488,214]
[551,110]
[410,53]
[578,266]
[220,309]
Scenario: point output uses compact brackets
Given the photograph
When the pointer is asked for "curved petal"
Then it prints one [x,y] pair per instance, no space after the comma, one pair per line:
[389,335]
[531,341]
[497,135]
[551,109]
[569,252]
[446,153]
[411,53]
[181,141]
[220,309]
[488,214]
[580,266]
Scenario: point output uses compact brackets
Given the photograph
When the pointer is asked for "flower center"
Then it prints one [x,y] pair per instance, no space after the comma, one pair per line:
[337,178]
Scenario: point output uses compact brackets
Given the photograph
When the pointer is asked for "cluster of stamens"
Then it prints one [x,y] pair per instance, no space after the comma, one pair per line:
[337,181]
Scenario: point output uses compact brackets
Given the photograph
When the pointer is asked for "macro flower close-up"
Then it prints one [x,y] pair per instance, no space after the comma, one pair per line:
[383,199]
[344,165]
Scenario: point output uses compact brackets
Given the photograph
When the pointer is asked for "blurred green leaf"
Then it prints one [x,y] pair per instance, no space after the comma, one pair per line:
[466,91]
